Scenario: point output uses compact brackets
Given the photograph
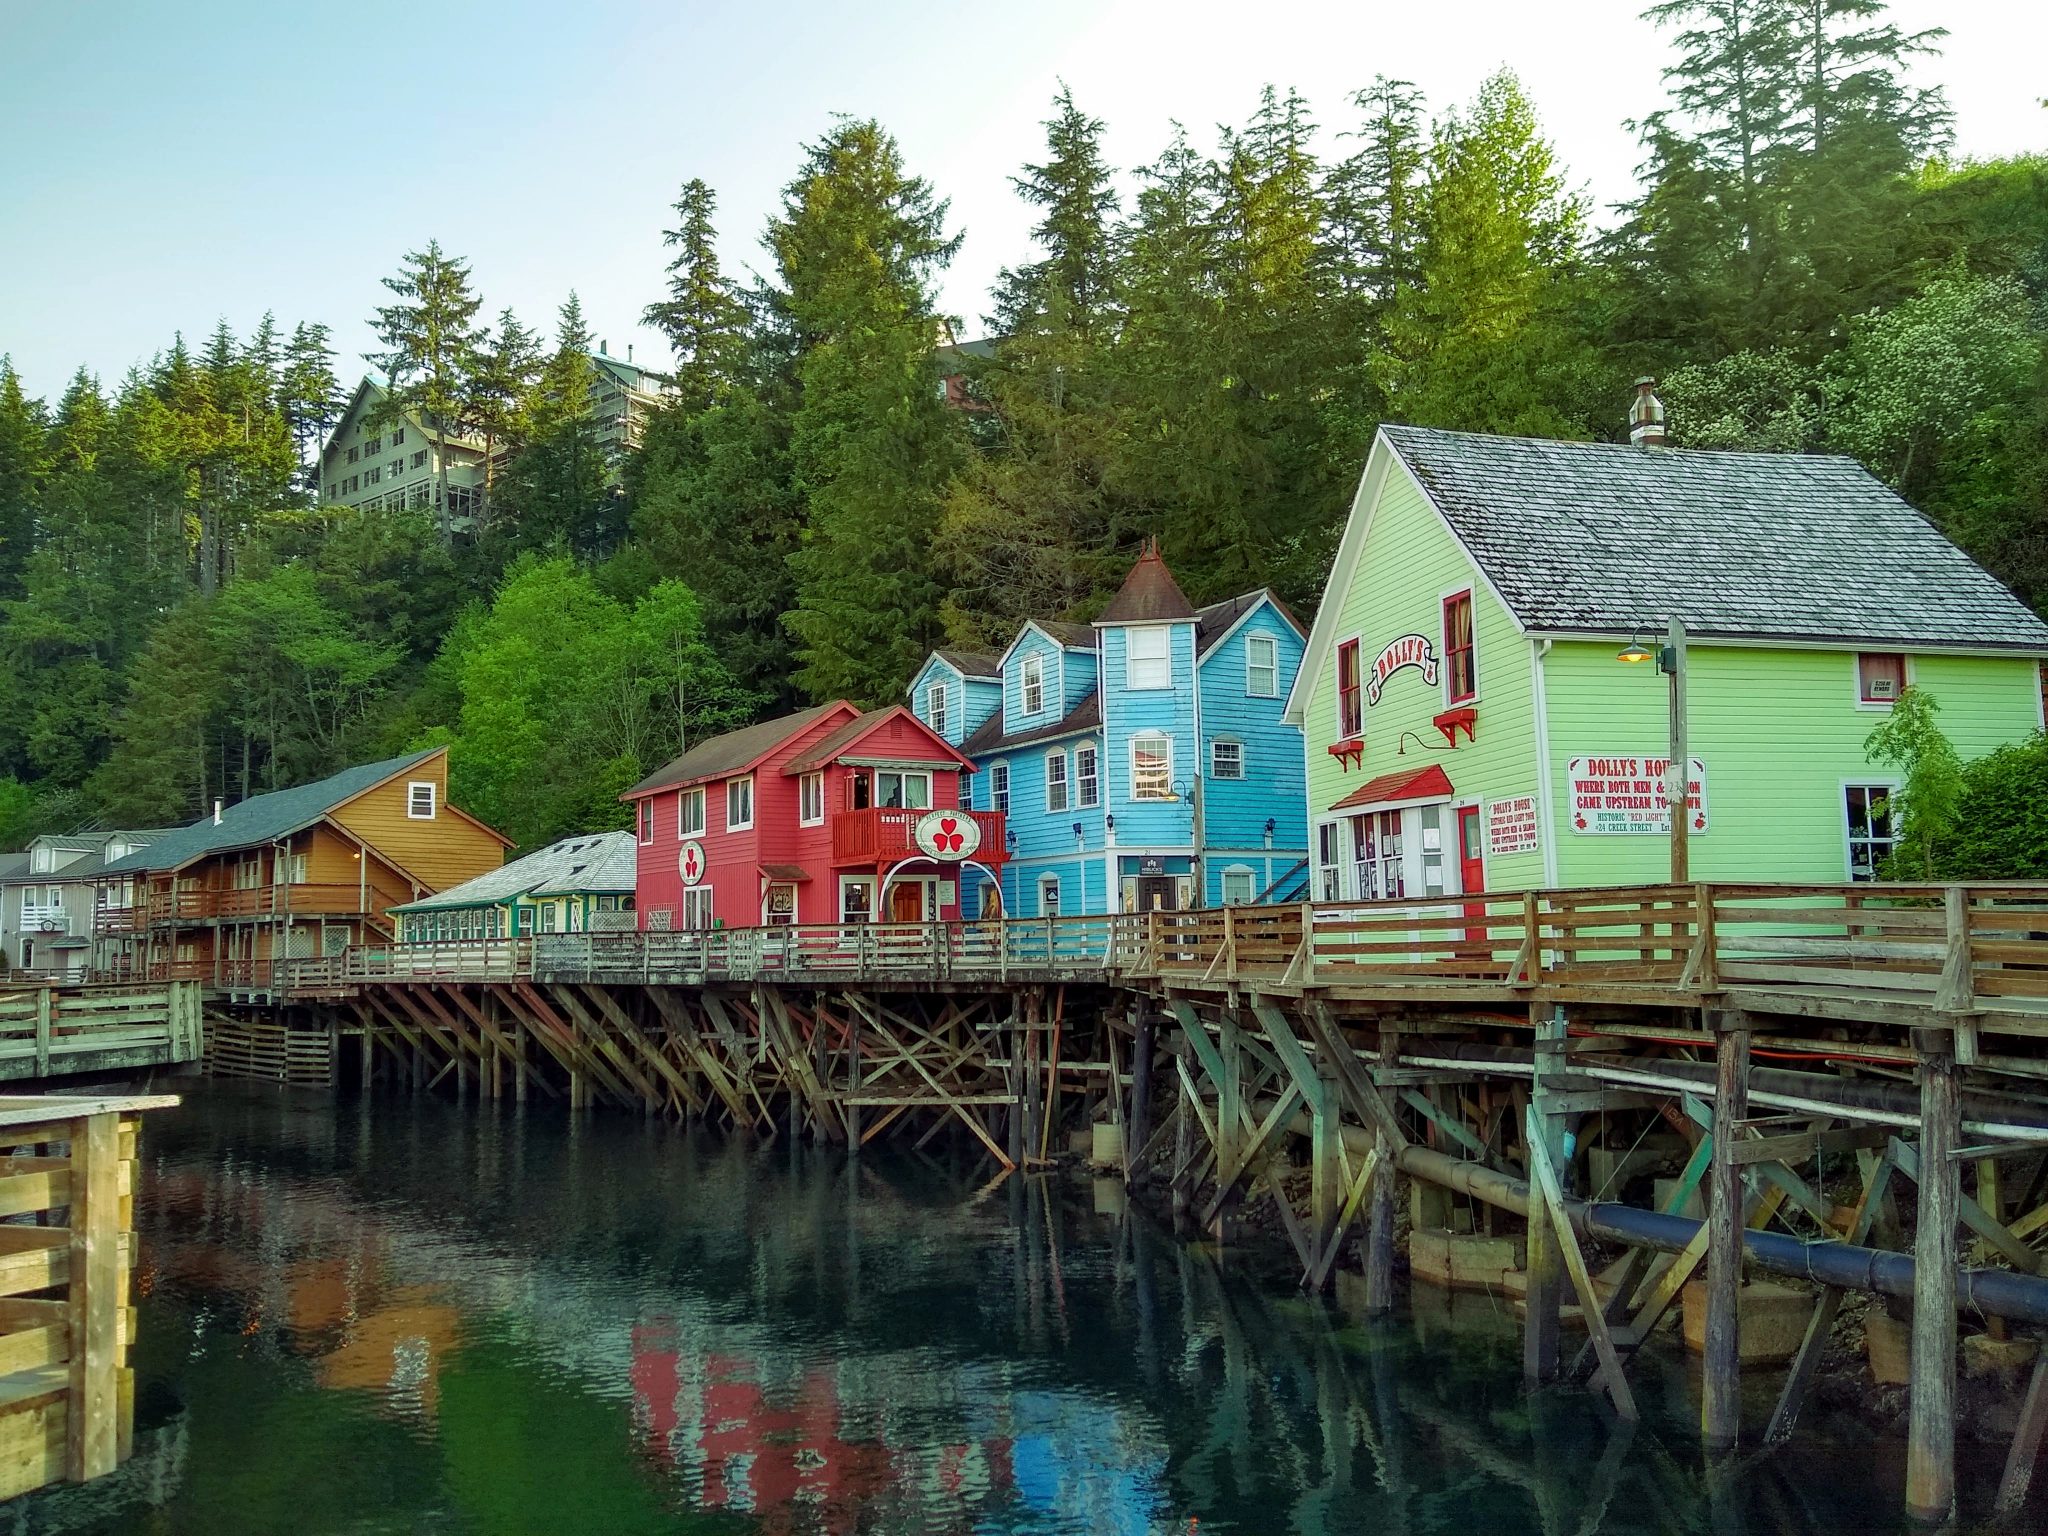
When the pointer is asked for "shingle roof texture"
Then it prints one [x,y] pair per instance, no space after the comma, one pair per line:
[721,755]
[262,818]
[1601,537]
[973,663]
[1149,594]
[602,862]
[1084,716]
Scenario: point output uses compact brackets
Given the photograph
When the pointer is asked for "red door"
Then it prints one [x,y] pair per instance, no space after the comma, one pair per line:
[1471,871]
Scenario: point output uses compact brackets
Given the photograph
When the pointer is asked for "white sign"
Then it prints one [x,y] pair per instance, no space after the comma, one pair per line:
[1408,651]
[692,863]
[1512,826]
[1625,795]
[948,836]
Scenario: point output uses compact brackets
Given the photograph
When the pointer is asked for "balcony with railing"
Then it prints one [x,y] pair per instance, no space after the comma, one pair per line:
[253,901]
[881,834]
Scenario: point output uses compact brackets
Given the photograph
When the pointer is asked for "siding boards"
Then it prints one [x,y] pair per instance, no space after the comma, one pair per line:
[442,851]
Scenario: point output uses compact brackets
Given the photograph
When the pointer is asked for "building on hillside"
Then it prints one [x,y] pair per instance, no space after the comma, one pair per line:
[1470,726]
[622,397]
[374,463]
[46,903]
[1141,760]
[581,884]
[292,874]
[959,362]
[827,815]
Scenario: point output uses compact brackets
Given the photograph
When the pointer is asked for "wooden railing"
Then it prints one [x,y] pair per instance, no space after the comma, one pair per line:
[302,899]
[52,1031]
[66,1325]
[1958,949]
[880,833]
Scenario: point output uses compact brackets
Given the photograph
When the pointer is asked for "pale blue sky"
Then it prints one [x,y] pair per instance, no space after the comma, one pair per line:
[166,165]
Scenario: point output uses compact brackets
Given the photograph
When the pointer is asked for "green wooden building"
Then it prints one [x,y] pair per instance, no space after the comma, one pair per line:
[577,885]
[1469,724]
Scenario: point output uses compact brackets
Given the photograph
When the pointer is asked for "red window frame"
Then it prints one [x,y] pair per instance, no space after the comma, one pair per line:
[1461,675]
[1350,691]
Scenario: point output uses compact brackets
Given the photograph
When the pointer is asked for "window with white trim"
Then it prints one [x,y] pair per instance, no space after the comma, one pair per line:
[1088,775]
[420,798]
[896,790]
[1261,666]
[1056,780]
[697,907]
[739,804]
[690,813]
[646,821]
[1237,886]
[1032,685]
[999,786]
[810,792]
[1148,656]
[1329,869]
[1880,677]
[1151,766]
[935,707]
[1048,895]
[1873,830]
[1226,759]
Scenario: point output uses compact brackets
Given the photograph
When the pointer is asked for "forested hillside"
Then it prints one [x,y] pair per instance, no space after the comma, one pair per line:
[1205,360]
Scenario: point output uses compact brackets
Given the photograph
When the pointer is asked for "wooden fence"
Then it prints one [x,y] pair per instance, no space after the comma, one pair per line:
[51,1031]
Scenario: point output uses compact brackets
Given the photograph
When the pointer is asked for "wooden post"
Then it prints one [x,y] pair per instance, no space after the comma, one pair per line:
[1379,1227]
[1931,1434]
[1138,1123]
[1545,1259]
[519,1042]
[1183,1153]
[1720,1401]
[92,1437]
[853,1023]
[368,1037]
[2026,1444]
[43,1010]
[1678,772]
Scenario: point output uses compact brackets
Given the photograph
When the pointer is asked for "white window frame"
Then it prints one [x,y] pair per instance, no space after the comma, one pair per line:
[687,825]
[1137,672]
[1031,680]
[1049,882]
[1877,706]
[1271,666]
[852,882]
[935,706]
[999,785]
[1166,793]
[1087,776]
[1216,745]
[743,784]
[810,797]
[1062,781]
[700,907]
[646,819]
[412,799]
[1250,877]
[1866,784]
[905,777]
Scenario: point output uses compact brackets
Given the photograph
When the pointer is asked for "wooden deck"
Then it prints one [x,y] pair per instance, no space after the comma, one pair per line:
[49,1031]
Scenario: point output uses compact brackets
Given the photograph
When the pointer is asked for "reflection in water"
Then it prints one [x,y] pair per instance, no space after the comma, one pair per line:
[414,1316]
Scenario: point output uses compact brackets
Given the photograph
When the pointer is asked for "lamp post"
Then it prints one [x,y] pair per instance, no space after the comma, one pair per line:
[1670,659]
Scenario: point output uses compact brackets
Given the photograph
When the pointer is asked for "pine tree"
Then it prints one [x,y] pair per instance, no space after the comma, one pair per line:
[508,367]
[702,317]
[857,244]
[22,431]
[1069,287]
[430,339]
[560,487]
[309,396]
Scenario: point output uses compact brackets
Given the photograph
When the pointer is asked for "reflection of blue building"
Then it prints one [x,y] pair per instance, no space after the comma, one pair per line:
[1142,759]
[1073,1456]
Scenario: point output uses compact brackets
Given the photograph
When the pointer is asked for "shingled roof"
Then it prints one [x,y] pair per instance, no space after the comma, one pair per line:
[972,663]
[1084,716]
[719,757]
[1213,622]
[1149,594]
[1601,537]
[263,818]
[601,862]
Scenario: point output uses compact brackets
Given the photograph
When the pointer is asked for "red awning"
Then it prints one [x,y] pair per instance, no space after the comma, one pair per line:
[1430,783]
[784,874]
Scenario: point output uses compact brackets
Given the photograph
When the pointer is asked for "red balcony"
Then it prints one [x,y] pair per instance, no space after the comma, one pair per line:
[880,836]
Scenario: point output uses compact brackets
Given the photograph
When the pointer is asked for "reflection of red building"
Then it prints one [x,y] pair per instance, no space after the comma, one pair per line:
[812,818]
[780,1455]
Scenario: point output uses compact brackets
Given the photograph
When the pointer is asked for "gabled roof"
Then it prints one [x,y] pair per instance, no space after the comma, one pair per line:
[1149,594]
[1215,622]
[13,866]
[370,390]
[1083,717]
[599,863]
[1600,537]
[973,663]
[265,818]
[721,757]
[838,743]
[1430,783]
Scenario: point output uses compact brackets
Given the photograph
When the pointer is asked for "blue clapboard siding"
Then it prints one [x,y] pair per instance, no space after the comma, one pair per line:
[1275,776]
[969,700]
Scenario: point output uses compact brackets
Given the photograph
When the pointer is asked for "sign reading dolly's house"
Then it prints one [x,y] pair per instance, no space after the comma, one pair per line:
[1625,795]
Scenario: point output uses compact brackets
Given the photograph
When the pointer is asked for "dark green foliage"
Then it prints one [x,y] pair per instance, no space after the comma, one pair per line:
[2000,830]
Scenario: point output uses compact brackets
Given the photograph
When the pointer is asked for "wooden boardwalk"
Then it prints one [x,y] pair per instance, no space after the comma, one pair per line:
[49,1031]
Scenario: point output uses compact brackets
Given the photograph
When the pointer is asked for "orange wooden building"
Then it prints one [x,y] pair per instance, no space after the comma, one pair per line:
[288,875]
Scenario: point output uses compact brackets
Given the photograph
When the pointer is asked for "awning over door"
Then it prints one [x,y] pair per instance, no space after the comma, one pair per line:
[784,874]
[1430,783]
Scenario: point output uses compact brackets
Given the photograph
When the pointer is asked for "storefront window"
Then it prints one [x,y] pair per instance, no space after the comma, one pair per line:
[1872,833]
[1429,819]
[1329,874]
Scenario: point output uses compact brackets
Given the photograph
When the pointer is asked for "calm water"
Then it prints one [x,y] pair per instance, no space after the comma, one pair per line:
[419,1317]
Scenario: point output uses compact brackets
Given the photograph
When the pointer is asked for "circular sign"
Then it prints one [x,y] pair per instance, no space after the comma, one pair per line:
[691,862]
[949,836]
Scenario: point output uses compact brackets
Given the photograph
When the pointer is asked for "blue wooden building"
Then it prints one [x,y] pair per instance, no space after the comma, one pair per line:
[1142,759]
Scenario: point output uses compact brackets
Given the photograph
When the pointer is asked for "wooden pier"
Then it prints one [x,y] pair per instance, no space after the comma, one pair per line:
[1492,1046]
[67,1191]
[49,1031]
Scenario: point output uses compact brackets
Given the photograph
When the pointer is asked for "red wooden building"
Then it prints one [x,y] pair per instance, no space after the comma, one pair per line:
[823,816]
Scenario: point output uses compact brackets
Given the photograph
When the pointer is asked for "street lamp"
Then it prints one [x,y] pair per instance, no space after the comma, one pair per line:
[1670,659]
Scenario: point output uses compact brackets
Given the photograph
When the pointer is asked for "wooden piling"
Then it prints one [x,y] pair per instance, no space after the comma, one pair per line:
[1545,1292]
[1721,1369]
[1931,1432]
[1379,1228]
[93,1421]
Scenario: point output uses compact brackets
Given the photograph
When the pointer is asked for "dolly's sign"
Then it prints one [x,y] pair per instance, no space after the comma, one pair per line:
[1625,795]
[1408,651]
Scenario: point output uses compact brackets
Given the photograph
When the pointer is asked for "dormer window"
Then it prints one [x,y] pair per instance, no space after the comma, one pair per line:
[1148,657]
[935,707]
[1033,684]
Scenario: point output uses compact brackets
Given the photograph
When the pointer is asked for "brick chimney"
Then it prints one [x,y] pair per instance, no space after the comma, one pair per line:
[1646,416]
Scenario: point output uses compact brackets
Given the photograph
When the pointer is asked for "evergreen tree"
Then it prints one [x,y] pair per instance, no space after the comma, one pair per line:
[21,469]
[560,487]
[501,389]
[1069,287]
[857,244]
[702,317]
[430,339]
[309,396]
